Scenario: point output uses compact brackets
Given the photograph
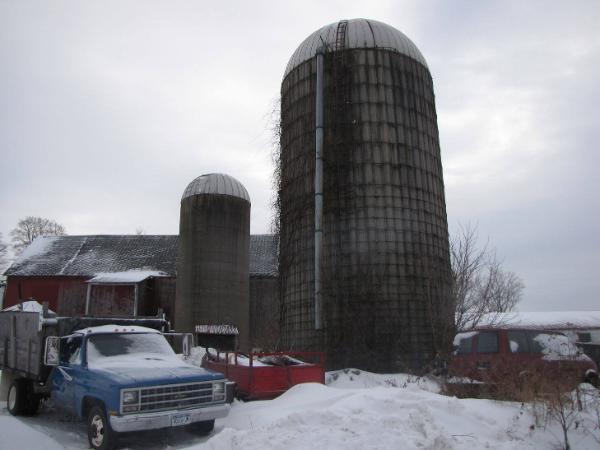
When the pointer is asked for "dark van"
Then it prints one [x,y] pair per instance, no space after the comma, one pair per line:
[494,355]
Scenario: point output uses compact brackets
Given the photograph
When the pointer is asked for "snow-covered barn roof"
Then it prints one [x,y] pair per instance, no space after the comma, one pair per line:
[88,256]
[263,255]
[126,277]
[557,320]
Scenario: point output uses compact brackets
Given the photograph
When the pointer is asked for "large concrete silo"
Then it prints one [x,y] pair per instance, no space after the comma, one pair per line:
[383,299]
[212,266]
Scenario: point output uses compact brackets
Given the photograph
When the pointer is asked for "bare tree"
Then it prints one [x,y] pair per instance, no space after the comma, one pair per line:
[481,285]
[3,253]
[139,231]
[31,227]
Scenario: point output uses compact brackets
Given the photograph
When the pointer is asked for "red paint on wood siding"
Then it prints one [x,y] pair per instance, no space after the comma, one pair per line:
[42,289]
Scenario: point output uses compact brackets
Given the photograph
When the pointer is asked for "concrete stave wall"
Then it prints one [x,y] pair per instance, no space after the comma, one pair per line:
[386,262]
[212,267]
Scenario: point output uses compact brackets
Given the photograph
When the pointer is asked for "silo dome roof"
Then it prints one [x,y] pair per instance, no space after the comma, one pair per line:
[216,183]
[360,33]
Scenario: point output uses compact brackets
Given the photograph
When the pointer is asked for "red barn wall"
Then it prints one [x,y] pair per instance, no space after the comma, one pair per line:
[67,295]
[42,289]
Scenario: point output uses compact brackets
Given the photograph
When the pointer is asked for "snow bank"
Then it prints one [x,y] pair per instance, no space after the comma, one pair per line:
[317,416]
[360,379]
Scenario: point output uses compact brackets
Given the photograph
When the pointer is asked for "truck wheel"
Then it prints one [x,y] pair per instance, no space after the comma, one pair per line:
[204,427]
[100,435]
[33,403]
[17,397]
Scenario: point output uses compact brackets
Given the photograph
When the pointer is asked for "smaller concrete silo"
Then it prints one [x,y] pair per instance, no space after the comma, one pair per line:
[212,266]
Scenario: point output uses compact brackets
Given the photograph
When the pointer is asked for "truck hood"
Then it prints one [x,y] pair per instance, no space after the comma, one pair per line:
[150,370]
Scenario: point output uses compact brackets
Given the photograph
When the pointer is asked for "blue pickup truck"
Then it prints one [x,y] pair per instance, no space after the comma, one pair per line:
[119,377]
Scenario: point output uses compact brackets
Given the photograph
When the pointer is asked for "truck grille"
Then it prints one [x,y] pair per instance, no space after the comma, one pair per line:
[174,396]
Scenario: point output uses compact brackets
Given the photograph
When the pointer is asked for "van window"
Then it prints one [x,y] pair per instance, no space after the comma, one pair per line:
[487,342]
[463,342]
[517,342]
[584,337]
[554,345]
[465,346]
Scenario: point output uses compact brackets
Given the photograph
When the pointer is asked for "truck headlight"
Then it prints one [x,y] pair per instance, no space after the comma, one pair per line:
[130,397]
[218,390]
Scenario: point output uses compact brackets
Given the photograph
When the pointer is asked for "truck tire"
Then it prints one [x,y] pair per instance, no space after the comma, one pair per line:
[100,434]
[205,427]
[16,401]
[33,403]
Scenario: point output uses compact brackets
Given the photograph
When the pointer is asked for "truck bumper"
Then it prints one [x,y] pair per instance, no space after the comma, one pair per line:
[164,419]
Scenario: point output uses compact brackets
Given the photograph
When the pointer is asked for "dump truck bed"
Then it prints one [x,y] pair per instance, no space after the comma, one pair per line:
[23,335]
[22,340]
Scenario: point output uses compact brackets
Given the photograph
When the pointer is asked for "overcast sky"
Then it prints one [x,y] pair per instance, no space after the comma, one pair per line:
[108,109]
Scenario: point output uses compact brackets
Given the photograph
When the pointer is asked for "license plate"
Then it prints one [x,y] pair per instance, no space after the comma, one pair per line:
[181,419]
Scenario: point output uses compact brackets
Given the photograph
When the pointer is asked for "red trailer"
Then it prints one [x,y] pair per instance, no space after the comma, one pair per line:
[263,376]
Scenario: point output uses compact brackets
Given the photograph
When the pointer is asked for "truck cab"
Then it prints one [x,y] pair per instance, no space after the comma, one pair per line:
[128,378]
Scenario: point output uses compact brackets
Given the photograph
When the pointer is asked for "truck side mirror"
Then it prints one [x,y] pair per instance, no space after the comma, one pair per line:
[187,344]
[52,351]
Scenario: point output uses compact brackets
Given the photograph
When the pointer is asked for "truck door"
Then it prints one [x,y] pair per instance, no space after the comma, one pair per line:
[64,375]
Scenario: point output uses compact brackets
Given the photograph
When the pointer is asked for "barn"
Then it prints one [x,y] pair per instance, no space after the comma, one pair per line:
[129,274]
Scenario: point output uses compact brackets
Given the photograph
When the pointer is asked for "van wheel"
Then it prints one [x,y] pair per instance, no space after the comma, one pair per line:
[100,435]
[205,427]
[17,397]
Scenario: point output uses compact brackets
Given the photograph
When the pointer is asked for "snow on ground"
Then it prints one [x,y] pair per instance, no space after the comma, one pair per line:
[355,378]
[356,410]
[16,435]
[52,430]
[384,417]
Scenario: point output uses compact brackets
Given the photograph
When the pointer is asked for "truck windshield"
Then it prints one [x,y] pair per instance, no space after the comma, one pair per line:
[101,346]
